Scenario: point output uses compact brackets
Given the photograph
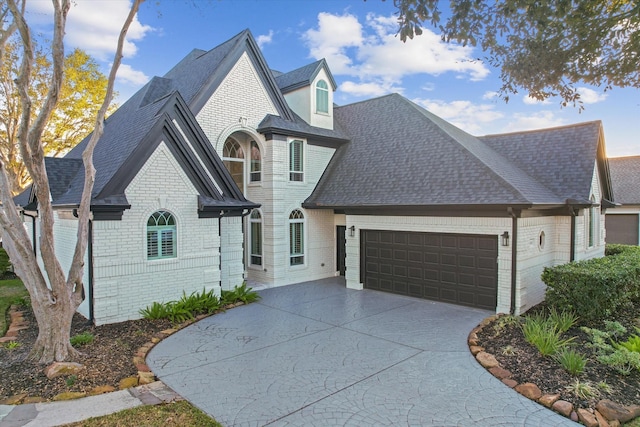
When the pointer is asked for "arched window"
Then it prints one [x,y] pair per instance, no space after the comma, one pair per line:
[322,97]
[296,237]
[233,159]
[256,163]
[255,221]
[161,236]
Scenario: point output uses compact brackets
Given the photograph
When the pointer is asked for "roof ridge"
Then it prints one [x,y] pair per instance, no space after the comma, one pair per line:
[553,128]
[498,165]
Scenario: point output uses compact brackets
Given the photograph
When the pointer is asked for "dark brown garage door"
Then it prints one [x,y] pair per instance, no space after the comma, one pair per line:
[456,268]
[622,228]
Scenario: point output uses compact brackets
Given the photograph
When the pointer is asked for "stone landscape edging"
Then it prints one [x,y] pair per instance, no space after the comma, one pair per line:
[143,377]
[590,417]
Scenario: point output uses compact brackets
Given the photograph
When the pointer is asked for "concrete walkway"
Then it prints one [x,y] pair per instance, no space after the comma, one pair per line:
[320,354]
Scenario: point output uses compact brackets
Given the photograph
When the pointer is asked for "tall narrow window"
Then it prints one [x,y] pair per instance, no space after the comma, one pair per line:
[592,224]
[255,222]
[233,159]
[296,237]
[322,97]
[256,163]
[161,236]
[296,171]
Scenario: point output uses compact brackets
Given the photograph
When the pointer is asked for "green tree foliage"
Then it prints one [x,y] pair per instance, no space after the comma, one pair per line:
[544,47]
[82,92]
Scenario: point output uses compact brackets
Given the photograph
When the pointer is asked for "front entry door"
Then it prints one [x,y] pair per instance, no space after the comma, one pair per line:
[341,251]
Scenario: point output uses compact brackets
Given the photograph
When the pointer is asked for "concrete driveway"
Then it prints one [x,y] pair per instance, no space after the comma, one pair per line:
[319,354]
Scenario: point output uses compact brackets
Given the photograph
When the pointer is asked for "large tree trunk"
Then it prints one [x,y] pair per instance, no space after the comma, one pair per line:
[54,296]
[54,328]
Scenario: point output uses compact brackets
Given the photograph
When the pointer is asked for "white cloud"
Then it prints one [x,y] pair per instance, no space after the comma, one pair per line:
[488,95]
[128,75]
[530,121]
[466,115]
[529,100]
[93,26]
[590,96]
[368,89]
[373,52]
[335,33]
[264,39]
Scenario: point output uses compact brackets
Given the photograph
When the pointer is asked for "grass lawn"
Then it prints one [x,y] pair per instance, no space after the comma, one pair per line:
[169,415]
[10,291]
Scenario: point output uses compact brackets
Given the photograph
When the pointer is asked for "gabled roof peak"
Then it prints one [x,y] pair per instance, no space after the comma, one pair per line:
[303,76]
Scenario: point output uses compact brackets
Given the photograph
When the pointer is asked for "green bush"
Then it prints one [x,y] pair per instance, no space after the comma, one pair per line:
[572,361]
[239,293]
[541,332]
[4,261]
[82,339]
[595,289]
[186,308]
[631,344]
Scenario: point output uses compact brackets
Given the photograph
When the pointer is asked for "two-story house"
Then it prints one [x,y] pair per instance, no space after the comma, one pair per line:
[224,170]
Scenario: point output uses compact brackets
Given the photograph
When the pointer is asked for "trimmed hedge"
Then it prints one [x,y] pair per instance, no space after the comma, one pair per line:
[595,289]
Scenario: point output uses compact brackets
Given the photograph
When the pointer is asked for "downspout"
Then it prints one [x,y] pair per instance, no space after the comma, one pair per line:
[33,231]
[90,270]
[572,250]
[514,258]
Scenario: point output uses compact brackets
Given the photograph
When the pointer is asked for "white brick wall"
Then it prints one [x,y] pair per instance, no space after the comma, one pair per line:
[124,280]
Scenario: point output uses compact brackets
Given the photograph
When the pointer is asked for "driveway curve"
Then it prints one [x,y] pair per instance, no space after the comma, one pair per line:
[319,354]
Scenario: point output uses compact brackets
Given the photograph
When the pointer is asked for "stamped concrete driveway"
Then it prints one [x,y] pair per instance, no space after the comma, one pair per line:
[320,354]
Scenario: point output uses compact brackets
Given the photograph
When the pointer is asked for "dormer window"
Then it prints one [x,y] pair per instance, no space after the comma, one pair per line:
[322,97]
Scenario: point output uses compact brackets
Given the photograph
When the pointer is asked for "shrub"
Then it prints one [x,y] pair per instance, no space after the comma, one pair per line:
[631,344]
[82,339]
[622,360]
[583,390]
[155,311]
[543,334]
[572,361]
[596,288]
[563,321]
[239,293]
[4,261]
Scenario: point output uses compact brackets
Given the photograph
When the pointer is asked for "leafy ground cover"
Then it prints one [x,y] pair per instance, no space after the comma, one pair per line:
[598,377]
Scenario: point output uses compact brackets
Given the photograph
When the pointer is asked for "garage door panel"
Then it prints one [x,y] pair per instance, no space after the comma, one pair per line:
[456,268]
[622,228]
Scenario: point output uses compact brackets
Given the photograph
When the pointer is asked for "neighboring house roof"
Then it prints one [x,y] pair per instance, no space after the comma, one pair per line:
[302,76]
[400,155]
[561,158]
[625,179]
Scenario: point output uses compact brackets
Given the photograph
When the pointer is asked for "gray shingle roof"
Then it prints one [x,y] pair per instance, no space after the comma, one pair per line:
[625,179]
[402,155]
[561,158]
[302,76]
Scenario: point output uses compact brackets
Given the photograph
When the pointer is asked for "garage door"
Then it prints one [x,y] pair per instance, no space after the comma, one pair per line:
[455,268]
[622,229]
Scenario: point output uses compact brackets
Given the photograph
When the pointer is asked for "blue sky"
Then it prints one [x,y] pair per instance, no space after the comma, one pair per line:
[358,40]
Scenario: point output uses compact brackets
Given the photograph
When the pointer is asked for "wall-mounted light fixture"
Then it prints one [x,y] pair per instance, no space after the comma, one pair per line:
[505,238]
[352,231]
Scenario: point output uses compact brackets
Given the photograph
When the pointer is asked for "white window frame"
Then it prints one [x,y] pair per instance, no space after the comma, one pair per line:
[297,225]
[322,94]
[257,256]
[160,231]
[255,166]
[296,168]
[241,160]
[592,225]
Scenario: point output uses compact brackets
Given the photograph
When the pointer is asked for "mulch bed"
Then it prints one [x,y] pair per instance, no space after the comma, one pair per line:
[107,360]
[527,365]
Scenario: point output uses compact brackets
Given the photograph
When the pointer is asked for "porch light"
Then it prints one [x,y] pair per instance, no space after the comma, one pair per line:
[352,231]
[505,238]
